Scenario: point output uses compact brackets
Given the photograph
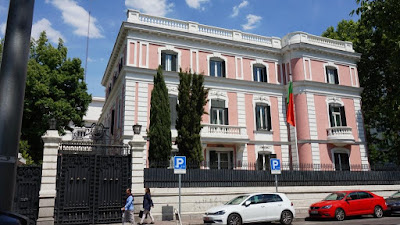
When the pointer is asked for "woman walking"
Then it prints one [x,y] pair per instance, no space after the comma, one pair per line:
[147,205]
[127,216]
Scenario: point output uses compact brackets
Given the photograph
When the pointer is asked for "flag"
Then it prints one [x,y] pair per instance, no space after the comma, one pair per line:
[290,106]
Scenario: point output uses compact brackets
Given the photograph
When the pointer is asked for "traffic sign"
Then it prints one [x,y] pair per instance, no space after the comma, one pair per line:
[275,166]
[180,165]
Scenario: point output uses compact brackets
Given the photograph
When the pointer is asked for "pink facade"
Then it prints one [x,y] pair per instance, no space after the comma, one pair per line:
[327,117]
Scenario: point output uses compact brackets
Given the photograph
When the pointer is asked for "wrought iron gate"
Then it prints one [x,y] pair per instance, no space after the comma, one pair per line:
[26,197]
[91,183]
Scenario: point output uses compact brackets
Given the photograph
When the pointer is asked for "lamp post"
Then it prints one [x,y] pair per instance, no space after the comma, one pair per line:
[136,129]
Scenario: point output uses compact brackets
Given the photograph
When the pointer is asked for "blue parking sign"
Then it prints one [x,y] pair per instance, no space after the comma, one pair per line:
[180,164]
[275,166]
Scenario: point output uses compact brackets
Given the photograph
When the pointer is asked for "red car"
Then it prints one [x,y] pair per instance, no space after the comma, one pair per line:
[348,203]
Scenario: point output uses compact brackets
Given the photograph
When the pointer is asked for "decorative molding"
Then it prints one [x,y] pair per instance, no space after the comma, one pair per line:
[334,100]
[172,89]
[261,99]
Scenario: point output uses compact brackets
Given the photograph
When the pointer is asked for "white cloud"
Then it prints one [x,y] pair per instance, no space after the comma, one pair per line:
[3,29]
[196,4]
[77,17]
[45,25]
[252,22]
[153,7]
[91,60]
[236,8]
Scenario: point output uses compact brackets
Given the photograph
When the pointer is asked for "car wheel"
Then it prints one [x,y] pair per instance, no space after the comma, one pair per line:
[286,217]
[234,219]
[339,214]
[378,212]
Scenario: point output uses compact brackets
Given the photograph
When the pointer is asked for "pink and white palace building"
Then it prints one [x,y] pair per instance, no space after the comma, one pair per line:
[247,77]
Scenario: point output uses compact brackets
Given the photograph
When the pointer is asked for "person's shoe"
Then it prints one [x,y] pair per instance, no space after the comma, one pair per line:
[152,222]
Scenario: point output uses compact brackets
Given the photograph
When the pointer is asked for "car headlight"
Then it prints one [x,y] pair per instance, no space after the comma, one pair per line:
[326,207]
[222,212]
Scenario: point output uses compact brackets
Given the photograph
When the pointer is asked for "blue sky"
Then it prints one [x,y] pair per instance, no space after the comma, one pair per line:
[68,19]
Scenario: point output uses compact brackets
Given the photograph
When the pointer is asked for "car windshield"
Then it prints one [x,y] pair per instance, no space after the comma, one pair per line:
[396,195]
[335,196]
[237,200]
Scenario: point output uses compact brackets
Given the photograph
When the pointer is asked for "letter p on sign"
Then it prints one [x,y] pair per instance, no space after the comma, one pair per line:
[275,166]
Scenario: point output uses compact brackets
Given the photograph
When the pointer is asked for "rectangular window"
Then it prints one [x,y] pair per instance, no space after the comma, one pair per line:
[221,160]
[332,75]
[219,114]
[173,101]
[260,74]
[337,116]
[263,117]
[342,162]
[217,68]
[168,61]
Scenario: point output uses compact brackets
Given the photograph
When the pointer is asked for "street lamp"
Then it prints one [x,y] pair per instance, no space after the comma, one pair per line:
[53,124]
[137,128]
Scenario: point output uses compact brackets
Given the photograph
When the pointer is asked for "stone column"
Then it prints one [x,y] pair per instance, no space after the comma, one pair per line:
[138,146]
[47,194]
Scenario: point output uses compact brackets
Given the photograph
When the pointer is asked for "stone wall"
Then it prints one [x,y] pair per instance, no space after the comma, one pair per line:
[195,201]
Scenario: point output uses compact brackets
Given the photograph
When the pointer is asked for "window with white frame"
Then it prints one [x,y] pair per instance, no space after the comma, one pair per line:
[331,75]
[263,117]
[219,114]
[260,73]
[169,60]
[217,67]
[342,162]
[337,115]
[173,101]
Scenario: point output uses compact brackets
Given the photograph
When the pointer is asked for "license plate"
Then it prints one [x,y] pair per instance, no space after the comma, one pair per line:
[314,212]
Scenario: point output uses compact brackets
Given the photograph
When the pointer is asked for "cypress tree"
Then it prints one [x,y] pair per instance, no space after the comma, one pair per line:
[192,98]
[160,122]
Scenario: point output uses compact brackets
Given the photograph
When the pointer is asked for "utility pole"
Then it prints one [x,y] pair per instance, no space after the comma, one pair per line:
[12,90]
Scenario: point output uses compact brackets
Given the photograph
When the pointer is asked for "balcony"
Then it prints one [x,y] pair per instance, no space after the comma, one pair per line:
[224,133]
[340,136]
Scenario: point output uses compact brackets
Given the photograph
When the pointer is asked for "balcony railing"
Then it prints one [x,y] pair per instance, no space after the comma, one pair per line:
[301,37]
[340,135]
[223,131]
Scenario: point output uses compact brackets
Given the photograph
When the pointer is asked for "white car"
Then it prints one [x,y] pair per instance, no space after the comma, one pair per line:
[249,208]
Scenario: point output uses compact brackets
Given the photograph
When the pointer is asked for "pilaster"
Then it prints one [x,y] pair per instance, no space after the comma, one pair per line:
[47,194]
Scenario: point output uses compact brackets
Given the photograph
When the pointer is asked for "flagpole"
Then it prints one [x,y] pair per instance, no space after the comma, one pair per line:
[294,105]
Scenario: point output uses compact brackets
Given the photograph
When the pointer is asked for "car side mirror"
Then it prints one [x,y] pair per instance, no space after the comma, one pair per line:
[247,203]
[348,198]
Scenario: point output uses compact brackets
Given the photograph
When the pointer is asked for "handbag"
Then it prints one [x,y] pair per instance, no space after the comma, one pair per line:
[141,214]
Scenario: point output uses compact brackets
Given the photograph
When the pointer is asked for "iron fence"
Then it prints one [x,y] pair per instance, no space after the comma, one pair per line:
[284,166]
[165,178]
[213,174]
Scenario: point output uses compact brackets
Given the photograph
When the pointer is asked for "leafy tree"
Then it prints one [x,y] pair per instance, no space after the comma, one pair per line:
[54,89]
[377,37]
[192,98]
[24,149]
[160,121]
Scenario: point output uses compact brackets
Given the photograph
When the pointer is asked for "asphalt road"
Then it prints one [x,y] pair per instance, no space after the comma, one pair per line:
[364,220]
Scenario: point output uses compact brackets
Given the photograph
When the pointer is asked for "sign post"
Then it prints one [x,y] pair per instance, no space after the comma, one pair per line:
[275,169]
[180,168]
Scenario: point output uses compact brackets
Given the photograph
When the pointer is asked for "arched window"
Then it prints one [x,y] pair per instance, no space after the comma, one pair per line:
[169,60]
[263,117]
[217,67]
[341,159]
[260,73]
[331,73]
[218,112]
[337,115]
